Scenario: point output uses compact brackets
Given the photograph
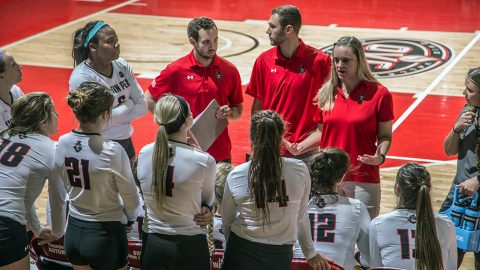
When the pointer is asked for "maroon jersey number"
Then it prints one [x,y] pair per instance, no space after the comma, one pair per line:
[76,171]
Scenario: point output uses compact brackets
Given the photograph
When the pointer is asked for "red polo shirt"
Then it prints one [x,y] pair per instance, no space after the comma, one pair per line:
[199,85]
[352,126]
[288,87]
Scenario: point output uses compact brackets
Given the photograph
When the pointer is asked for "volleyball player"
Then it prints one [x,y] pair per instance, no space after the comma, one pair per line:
[10,74]
[338,222]
[177,181]
[26,159]
[96,54]
[265,202]
[103,198]
[412,236]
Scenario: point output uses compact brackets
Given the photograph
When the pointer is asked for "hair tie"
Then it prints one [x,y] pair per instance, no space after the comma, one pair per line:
[93,32]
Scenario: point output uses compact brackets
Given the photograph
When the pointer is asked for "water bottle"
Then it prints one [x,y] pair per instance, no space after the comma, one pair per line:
[472,215]
[458,212]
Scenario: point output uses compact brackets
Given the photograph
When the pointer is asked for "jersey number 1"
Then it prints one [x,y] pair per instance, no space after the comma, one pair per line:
[405,242]
[76,171]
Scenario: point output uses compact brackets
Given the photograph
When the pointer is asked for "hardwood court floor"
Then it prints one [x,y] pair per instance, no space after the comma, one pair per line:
[152,34]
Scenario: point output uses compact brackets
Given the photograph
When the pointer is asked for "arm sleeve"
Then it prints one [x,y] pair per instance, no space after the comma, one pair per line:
[255,82]
[228,210]
[162,83]
[57,194]
[304,231]
[208,190]
[363,235]
[33,191]
[122,174]
[375,254]
[122,113]
[451,261]
[235,96]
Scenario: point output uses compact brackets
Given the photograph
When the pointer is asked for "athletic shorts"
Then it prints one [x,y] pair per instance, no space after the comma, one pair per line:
[102,245]
[127,144]
[244,254]
[180,252]
[13,241]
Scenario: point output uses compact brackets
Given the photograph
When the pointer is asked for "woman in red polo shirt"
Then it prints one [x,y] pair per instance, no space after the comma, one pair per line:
[356,116]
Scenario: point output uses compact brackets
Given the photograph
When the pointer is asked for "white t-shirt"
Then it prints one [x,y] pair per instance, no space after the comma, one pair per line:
[337,227]
[392,240]
[239,212]
[190,185]
[123,86]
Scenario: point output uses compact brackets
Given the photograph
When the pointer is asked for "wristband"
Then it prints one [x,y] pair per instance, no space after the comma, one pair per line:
[130,223]
[383,159]
[478,178]
[209,207]
[454,131]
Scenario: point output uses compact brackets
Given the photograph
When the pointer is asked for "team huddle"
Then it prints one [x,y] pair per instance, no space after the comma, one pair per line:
[320,128]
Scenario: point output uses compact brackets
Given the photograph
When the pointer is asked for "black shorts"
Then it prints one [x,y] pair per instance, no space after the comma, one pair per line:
[244,254]
[180,252]
[127,144]
[13,241]
[102,245]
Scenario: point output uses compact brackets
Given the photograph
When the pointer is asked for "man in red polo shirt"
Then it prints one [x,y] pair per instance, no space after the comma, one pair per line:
[286,79]
[200,77]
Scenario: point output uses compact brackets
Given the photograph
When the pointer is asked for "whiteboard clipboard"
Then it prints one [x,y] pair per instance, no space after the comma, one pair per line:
[206,127]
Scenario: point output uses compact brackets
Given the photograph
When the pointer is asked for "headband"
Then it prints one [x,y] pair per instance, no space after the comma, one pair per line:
[175,125]
[93,32]
[2,63]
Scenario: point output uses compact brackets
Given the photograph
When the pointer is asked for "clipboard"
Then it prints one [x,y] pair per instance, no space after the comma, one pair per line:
[206,127]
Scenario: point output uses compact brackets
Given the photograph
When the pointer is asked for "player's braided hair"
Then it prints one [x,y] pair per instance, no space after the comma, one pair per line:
[265,173]
[29,112]
[210,237]
[327,168]
[413,183]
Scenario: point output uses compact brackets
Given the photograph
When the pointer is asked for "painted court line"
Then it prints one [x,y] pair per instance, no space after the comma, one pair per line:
[422,95]
[68,24]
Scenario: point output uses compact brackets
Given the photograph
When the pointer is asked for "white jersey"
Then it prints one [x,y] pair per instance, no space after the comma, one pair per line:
[6,112]
[392,240]
[97,175]
[123,86]
[190,184]
[25,163]
[337,227]
[240,214]
[217,231]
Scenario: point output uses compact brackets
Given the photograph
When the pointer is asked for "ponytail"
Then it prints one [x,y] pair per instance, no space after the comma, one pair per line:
[265,173]
[161,154]
[413,181]
[170,113]
[428,253]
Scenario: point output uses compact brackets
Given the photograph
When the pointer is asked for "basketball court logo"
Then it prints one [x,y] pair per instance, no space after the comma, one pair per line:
[395,57]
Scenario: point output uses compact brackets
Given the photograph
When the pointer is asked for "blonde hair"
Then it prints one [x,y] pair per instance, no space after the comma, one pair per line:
[326,94]
[170,113]
[223,169]
[29,112]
